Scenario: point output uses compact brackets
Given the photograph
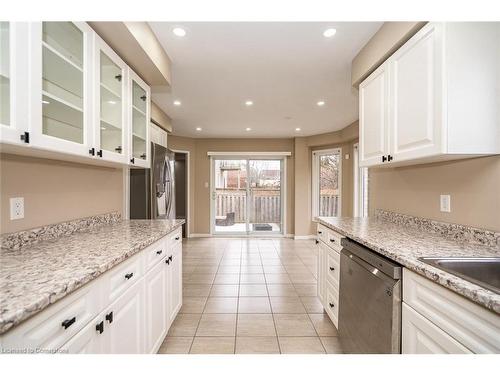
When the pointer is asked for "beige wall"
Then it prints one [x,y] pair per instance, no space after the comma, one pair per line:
[345,139]
[56,191]
[474,186]
[200,197]
[386,40]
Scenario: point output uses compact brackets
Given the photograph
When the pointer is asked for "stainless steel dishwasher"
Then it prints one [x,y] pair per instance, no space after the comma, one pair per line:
[369,302]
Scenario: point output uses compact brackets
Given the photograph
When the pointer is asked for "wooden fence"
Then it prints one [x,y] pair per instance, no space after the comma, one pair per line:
[266,205]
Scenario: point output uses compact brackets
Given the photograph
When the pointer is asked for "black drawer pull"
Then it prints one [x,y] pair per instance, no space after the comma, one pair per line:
[68,322]
[100,327]
[109,317]
[317,242]
[99,153]
[132,161]
[167,261]
[332,239]
[159,252]
[331,305]
[128,276]
[332,268]
[320,232]
[92,151]
[177,238]
[118,149]
[170,258]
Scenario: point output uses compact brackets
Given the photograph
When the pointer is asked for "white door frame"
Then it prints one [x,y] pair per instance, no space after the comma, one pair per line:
[249,156]
[315,179]
[188,188]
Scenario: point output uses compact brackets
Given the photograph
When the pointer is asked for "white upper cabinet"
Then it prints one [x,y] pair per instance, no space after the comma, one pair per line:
[13,83]
[373,114]
[60,87]
[435,98]
[139,114]
[65,94]
[110,104]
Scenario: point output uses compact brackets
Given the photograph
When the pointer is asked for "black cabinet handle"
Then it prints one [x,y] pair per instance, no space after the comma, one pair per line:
[332,268]
[109,317]
[68,322]
[25,137]
[118,149]
[132,160]
[143,156]
[317,242]
[118,77]
[100,327]
[92,151]
[128,276]
[389,158]
[319,232]
[177,238]
[331,305]
[159,252]
[143,98]
[332,239]
[99,153]
[167,261]
[384,158]
[170,258]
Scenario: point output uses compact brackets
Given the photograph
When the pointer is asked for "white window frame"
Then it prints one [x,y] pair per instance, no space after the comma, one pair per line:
[315,179]
[360,201]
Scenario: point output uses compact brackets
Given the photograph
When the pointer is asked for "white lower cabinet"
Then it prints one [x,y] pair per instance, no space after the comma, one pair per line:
[157,319]
[329,270]
[420,336]
[128,309]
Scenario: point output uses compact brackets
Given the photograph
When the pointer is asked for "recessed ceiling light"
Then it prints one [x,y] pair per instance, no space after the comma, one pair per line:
[198,129]
[177,103]
[179,31]
[248,103]
[321,103]
[297,129]
[328,33]
[248,129]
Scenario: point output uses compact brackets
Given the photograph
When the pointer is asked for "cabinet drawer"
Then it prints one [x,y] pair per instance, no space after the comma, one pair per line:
[322,233]
[122,277]
[471,325]
[420,336]
[334,240]
[155,253]
[333,268]
[50,329]
[332,303]
[175,238]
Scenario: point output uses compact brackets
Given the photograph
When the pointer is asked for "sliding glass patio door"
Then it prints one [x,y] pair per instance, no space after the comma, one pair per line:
[247,196]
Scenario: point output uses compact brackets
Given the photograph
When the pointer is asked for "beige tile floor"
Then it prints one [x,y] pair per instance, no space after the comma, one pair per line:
[250,296]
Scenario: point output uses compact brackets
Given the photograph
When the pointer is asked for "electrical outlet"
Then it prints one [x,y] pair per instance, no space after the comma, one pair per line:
[445,203]
[16,208]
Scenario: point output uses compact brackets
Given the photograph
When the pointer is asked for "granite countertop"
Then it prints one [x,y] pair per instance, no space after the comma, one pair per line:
[35,276]
[405,245]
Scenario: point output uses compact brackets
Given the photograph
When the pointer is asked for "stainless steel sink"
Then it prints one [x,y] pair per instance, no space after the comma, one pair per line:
[482,271]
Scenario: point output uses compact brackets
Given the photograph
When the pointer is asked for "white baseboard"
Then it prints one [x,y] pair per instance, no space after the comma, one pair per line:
[199,235]
[308,237]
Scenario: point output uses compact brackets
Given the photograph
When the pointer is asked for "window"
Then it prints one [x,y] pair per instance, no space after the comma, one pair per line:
[327,182]
[360,187]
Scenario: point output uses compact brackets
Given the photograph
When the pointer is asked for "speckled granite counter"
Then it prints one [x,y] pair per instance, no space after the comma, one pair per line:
[405,244]
[37,275]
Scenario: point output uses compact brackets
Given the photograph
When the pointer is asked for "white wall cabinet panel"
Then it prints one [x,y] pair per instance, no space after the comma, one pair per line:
[374,117]
[416,96]
[440,94]
[420,336]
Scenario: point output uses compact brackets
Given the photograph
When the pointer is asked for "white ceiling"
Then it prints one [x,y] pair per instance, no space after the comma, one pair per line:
[283,67]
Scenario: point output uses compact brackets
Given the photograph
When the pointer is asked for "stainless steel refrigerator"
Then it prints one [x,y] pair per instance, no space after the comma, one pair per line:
[152,191]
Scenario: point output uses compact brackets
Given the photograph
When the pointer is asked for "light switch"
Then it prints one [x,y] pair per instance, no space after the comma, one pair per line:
[445,203]
[16,208]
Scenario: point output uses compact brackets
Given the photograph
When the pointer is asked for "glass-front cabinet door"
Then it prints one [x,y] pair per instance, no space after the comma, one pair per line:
[139,119]
[111,78]
[13,82]
[61,86]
